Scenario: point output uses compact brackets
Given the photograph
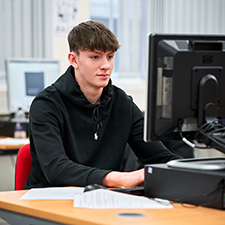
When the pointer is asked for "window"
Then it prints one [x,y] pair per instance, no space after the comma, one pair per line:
[132,20]
[127,21]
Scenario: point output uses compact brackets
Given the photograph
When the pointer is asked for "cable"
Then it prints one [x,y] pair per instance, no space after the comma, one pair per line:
[213,126]
[213,135]
[192,145]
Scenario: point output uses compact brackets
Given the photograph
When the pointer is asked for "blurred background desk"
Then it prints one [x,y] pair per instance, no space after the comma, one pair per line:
[9,149]
[8,154]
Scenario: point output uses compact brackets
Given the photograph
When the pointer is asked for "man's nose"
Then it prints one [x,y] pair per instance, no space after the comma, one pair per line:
[105,64]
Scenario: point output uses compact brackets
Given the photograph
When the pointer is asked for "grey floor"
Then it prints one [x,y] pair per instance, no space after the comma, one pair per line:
[2,222]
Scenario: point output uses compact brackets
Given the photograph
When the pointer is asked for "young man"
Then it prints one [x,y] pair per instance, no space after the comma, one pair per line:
[80,125]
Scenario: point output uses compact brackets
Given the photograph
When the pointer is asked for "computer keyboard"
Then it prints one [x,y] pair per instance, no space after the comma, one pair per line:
[138,190]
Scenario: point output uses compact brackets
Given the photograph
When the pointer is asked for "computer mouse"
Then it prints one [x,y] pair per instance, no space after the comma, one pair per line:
[92,187]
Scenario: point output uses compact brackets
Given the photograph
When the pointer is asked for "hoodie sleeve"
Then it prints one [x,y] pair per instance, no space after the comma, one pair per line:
[147,152]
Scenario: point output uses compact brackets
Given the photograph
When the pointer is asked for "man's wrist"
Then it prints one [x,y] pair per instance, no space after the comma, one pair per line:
[111,179]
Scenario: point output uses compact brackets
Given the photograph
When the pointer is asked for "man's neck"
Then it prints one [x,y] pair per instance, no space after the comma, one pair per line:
[93,96]
[91,92]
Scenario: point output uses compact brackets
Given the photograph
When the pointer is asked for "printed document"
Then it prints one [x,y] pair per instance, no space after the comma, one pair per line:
[96,199]
[106,199]
[52,193]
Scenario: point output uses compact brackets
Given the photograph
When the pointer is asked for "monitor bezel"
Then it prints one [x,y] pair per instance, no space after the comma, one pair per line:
[151,88]
[8,76]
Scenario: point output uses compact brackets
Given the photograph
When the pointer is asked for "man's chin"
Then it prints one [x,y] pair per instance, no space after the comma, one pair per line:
[104,83]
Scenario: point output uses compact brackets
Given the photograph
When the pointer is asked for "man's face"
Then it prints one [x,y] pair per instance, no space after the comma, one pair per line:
[93,68]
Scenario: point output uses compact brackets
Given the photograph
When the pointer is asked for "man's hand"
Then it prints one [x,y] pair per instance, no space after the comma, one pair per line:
[124,179]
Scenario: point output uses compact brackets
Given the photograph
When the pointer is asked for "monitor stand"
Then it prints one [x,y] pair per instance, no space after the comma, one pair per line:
[209,164]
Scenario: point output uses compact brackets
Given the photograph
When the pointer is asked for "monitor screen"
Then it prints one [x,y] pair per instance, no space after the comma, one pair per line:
[185,84]
[26,78]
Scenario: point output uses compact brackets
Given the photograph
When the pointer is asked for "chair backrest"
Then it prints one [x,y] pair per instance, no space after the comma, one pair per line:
[23,166]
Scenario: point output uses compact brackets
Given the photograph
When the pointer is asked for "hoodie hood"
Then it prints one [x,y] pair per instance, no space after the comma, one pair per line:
[70,90]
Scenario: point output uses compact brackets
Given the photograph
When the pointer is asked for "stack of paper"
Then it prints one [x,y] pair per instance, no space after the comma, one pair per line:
[97,199]
[14,141]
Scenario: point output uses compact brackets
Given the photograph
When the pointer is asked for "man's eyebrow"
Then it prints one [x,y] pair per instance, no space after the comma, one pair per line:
[101,52]
[97,52]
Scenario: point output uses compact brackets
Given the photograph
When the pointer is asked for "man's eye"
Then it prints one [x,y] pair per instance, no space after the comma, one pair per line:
[110,56]
[94,57]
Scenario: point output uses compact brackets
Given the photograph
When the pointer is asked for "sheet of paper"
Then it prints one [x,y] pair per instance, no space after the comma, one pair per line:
[52,193]
[106,199]
[14,141]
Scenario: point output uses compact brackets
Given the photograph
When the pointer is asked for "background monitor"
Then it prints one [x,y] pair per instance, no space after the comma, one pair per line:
[185,84]
[26,78]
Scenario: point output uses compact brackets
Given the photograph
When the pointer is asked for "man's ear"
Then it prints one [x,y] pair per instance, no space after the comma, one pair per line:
[72,57]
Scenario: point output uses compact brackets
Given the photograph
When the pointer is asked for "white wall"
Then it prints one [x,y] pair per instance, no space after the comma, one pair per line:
[60,43]
[7,172]
[3,99]
[60,51]
[135,88]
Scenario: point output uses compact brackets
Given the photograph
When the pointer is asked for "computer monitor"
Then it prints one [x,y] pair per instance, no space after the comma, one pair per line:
[26,78]
[185,84]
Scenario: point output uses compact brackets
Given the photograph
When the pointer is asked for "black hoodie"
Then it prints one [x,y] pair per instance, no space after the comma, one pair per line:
[75,143]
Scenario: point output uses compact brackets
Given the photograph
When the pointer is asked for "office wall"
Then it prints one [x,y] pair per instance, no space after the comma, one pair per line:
[60,51]
[135,88]
[60,45]
[162,19]
[3,99]
[175,16]
[57,47]
[7,172]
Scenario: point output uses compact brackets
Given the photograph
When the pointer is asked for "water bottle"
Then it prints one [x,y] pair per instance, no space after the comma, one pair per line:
[20,124]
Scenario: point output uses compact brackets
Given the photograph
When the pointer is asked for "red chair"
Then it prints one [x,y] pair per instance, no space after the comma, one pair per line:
[23,166]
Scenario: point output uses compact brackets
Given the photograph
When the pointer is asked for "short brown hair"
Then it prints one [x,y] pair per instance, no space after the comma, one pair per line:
[92,35]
